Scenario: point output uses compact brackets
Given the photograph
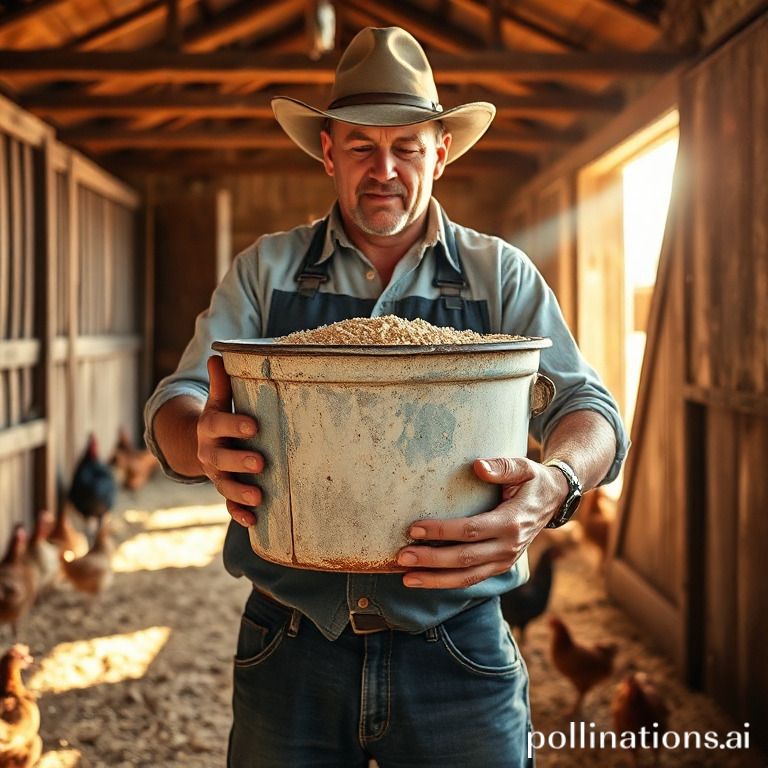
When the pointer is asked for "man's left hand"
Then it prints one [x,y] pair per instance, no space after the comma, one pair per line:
[488,543]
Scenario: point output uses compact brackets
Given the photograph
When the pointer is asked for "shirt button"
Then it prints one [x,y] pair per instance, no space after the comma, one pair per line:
[363,602]
[370,274]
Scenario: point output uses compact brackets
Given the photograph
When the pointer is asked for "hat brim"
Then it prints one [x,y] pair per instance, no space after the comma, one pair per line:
[303,123]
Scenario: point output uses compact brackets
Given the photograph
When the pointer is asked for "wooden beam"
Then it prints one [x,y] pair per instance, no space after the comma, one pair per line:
[173,31]
[169,66]
[512,25]
[267,137]
[629,12]
[200,105]
[242,20]
[430,29]
[136,20]
[216,163]
[25,12]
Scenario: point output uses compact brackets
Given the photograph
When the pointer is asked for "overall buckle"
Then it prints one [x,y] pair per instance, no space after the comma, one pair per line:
[367,623]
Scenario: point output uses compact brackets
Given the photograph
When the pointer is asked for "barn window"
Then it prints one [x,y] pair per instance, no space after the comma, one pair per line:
[623,199]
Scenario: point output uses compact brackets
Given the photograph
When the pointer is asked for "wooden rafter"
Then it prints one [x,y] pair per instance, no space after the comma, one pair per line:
[26,12]
[266,136]
[513,23]
[240,21]
[630,12]
[146,15]
[169,66]
[197,104]
[286,161]
[428,28]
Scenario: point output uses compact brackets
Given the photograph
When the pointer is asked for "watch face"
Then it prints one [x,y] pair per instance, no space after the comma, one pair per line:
[572,501]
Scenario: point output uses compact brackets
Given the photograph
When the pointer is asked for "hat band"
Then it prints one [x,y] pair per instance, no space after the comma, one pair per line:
[403,99]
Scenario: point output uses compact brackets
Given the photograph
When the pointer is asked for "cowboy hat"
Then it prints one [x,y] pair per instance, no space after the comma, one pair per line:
[383,79]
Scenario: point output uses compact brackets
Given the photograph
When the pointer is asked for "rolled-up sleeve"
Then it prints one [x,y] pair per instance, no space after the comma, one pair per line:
[233,313]
[531,308]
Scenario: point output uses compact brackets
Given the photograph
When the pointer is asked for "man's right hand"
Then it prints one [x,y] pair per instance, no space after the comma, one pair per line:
[215,428]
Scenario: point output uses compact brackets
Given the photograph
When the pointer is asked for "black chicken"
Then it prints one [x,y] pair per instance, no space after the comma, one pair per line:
[522,605]
[93,488]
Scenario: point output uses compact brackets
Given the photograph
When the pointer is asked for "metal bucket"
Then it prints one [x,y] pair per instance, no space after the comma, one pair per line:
[360,442]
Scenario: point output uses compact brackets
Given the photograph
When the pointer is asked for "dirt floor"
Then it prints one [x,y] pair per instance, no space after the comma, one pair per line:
[141,676]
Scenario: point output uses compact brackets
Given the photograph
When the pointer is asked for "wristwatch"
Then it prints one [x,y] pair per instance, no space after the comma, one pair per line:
[572,500]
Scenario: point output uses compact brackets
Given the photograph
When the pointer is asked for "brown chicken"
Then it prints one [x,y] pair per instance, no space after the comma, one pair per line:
[585,666]
[43,554]
[92,573]
[18,580]
[637,704]
[597,513]
[135,465]
[64,534]
[20,744]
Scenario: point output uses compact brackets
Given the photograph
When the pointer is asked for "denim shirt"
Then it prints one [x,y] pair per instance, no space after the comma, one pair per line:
[517,301]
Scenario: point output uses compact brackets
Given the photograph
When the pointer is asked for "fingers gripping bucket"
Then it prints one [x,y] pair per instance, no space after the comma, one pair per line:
[359,442]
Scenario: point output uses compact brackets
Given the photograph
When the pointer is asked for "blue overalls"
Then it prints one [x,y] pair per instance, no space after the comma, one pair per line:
[307,308]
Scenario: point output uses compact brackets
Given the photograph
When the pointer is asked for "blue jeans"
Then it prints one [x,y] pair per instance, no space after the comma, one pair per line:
[455,696]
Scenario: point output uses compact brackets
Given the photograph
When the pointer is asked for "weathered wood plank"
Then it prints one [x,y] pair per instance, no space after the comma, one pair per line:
[5,237]
[20,124]
[22,437]
[46,314]
[757,292]
[751,593]
[16,274]
[73,314]
[721,618]
[93,347]
[19,353]
[702,102]
[29,221]
[90,175]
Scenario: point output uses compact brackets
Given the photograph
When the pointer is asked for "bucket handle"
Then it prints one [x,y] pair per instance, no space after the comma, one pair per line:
[542,393]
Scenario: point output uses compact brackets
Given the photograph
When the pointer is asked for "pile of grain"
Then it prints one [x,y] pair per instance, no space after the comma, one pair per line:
[389,330]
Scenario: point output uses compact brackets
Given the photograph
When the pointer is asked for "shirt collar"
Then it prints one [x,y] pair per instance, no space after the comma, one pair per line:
[336,236]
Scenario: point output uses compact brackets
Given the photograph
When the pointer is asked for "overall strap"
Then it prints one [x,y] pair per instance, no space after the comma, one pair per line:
[310,274]
[448,279]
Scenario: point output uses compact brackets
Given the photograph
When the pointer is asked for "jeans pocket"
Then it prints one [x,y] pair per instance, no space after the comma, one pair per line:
[480,641]
[262,629]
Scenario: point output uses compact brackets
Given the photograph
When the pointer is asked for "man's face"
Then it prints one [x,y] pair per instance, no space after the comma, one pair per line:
[384,176]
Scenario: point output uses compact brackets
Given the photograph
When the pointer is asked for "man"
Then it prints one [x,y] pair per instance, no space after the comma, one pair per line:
[413,669]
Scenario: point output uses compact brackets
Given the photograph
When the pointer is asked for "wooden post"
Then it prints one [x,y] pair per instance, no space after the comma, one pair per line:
[73,285]
[148,308]
[45,246]
[173,25]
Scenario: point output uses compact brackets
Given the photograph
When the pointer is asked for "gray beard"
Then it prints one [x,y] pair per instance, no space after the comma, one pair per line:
[395,224]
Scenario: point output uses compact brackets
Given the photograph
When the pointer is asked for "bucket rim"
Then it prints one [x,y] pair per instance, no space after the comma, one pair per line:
[269,347]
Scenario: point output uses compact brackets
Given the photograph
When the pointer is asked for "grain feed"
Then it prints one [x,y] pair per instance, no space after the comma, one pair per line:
[389,330]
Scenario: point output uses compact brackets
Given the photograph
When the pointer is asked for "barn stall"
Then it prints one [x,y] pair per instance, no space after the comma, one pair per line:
[137,142]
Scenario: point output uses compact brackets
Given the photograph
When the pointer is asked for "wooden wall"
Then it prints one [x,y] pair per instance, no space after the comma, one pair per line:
[693,524]
[68,317]
[205,221]
[687,554]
